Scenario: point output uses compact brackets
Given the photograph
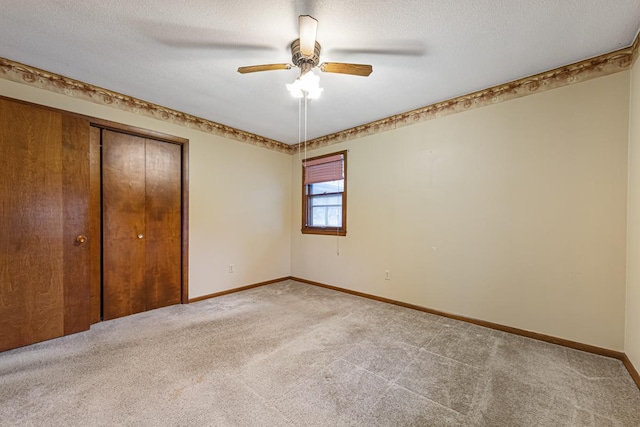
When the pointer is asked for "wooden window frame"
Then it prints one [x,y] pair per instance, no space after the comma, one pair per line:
[328,231]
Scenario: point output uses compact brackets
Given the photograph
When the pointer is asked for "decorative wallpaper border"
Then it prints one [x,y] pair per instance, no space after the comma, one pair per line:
[32,76]
[581,71]
[574,73]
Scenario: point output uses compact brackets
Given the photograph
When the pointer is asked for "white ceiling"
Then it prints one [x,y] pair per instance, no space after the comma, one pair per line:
[184,54]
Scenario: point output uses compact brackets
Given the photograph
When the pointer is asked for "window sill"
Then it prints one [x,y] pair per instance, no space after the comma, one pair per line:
[324,231]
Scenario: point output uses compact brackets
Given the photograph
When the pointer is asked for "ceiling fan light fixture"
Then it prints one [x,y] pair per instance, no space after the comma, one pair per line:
[308,84]
[305,54]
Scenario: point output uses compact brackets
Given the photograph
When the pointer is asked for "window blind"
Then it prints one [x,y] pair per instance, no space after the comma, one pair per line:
[324,169]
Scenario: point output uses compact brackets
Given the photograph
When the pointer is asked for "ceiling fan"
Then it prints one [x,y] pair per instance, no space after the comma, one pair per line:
[305,53]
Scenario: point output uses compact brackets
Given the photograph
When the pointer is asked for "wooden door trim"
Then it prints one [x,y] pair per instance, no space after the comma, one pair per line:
[95,226]
[184,143]
[137,131]
[185,222]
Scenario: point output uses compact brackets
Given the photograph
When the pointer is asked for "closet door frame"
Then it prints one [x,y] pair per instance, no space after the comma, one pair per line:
[96,209]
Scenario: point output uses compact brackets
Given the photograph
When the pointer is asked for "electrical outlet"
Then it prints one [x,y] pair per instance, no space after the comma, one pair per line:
[387,275]
[230,268]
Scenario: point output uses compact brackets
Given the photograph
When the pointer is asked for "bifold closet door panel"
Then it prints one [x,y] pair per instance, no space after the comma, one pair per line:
[43,224]
[163,223]
[142,210]
[77,229]
[123,222]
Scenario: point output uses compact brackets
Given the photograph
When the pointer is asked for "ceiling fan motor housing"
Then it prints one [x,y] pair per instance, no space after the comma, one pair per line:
[304,62]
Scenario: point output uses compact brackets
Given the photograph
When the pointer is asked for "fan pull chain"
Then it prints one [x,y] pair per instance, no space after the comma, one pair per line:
[305,125]
[299,125]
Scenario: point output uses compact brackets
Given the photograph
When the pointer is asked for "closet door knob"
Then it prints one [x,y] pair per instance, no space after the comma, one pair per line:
[81,239]
[140,236]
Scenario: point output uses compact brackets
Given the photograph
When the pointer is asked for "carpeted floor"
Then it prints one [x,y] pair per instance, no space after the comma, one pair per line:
[291,354]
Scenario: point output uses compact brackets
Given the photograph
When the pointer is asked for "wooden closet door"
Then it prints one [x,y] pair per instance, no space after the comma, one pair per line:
[123,224]
[141,193]
[163,209]
[44,221]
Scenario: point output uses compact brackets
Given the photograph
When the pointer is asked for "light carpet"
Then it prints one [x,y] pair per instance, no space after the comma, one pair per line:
[292,354]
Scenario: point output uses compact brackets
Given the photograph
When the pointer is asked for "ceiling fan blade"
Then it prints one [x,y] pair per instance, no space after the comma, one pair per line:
[192,44]
[381,51]
[194,37]
[264,67]
[308,28]
[344,68]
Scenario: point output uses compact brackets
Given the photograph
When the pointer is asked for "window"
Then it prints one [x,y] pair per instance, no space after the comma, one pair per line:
[324,194]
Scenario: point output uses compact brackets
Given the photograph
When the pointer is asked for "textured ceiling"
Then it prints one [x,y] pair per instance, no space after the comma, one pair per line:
[184,55]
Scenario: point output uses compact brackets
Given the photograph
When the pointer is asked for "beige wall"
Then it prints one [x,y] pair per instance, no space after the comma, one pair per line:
[513,213]
[239,198]
[632,332]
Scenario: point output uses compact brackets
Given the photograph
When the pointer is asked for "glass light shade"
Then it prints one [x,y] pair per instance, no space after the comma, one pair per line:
[307,83]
